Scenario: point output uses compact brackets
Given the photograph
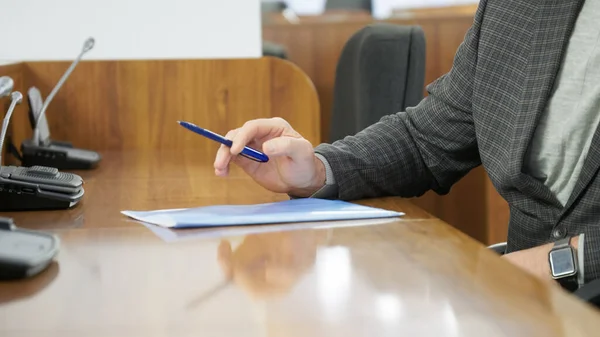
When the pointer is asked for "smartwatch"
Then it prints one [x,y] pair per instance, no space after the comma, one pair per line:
[563,264]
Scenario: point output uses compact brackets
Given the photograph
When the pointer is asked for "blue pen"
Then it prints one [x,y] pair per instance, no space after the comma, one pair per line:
[247,152]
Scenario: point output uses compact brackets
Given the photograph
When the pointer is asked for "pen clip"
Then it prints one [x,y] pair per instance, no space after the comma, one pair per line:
[251,158]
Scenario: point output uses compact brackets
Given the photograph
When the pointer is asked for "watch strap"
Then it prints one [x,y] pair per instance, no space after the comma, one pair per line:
[562,243]
[569,283]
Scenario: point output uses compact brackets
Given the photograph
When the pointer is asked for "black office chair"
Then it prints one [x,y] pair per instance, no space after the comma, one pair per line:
[274,49]
[366,5]
[272,6]
[381,71]
[590,293]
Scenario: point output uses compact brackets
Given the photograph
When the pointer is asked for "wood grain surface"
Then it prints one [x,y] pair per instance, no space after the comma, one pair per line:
[144,180]
[414,276]
[396,279]
[441,11]
[114,105]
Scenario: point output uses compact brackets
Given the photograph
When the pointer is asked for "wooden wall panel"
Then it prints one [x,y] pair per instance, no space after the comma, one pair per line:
[442,11]
[127,105]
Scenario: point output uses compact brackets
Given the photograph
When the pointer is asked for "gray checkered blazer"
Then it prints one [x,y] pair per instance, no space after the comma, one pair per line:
[484,111]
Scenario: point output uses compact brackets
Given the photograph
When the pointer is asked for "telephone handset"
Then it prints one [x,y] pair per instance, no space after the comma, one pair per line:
[36,187]
[24,253]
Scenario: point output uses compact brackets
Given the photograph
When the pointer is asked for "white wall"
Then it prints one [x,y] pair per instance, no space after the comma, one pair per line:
[130,29]
[307,7]
[383,8]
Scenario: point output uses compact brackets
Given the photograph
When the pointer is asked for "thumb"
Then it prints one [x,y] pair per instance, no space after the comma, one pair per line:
[296,148]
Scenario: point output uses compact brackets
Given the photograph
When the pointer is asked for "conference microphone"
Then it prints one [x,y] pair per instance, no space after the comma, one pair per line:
[41,149]
[37,187]
[6,86]
[290,16]
[16,98]
[87,46]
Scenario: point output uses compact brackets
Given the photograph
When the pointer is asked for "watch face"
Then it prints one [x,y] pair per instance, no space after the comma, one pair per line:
[562,262]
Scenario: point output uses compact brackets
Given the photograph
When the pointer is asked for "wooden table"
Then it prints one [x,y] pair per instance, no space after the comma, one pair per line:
[414,276]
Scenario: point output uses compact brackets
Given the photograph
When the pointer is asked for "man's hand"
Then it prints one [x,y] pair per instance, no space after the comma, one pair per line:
[535,260]
[293,167]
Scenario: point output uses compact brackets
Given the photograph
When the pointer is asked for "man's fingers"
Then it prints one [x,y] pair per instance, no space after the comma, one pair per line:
[295,148]
[223,156]
[258,128]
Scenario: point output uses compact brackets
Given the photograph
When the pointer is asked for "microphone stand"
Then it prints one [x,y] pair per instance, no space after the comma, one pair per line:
[6,86]
[87,46]
[41,150]
[16,98]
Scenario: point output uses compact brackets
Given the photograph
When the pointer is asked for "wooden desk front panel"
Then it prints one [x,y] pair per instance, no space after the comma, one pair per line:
[110,105]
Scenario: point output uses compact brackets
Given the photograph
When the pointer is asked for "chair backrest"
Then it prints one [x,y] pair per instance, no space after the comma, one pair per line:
[274,50]
[272,6]
[590,293]
[381,71]
[349,4]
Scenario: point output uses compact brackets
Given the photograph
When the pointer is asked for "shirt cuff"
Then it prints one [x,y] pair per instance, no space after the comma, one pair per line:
[581,260]
[329,178]
[330,190]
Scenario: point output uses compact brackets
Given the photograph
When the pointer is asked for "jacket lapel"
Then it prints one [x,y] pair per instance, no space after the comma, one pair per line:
[553,24]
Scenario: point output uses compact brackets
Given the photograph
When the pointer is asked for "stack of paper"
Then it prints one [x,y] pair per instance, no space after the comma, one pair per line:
[297,210]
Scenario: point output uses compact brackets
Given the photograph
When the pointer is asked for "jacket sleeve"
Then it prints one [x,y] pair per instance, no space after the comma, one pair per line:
[591,254]
[427,147]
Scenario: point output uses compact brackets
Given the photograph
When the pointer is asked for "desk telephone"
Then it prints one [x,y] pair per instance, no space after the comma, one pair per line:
[37,187]
[24,253]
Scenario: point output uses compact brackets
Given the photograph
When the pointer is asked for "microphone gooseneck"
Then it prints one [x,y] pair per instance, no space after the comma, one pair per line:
[290,16]
[16,98]
[87,46]
[6,86]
